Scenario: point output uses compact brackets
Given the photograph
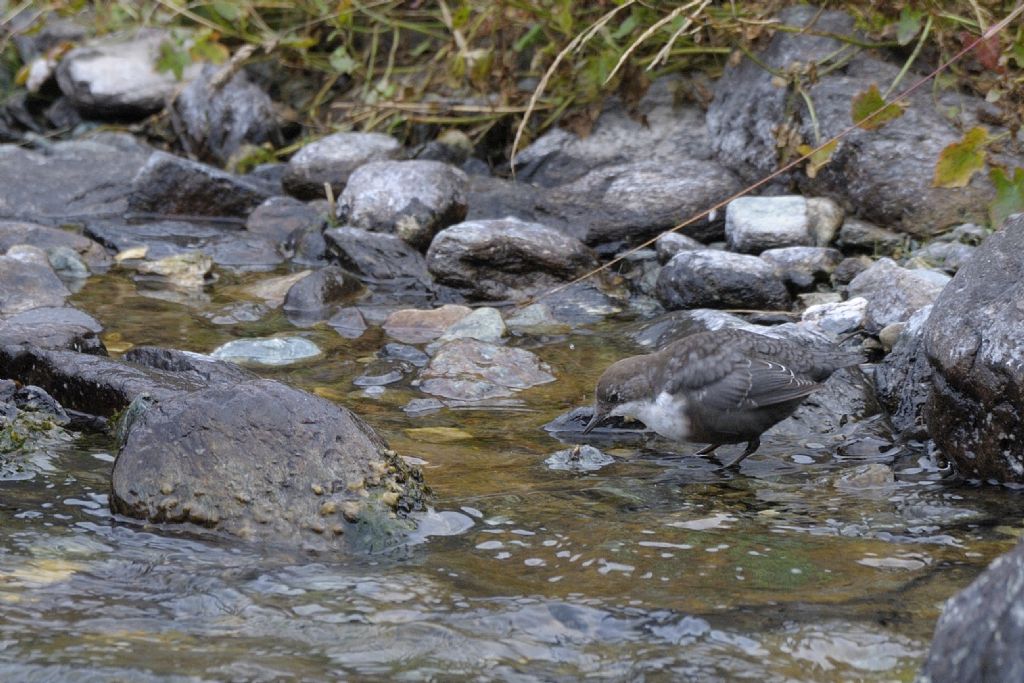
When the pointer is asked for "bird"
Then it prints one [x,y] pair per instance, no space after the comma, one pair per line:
[719,387]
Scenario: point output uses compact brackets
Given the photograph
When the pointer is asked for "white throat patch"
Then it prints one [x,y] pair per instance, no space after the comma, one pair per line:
[665,415]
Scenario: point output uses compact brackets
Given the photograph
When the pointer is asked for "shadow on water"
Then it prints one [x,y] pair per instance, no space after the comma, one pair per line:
[654,566]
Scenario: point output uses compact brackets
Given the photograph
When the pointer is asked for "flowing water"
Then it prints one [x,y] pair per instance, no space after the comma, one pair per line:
[652,568]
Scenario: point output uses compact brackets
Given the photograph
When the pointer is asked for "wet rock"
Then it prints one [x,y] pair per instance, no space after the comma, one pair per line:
[719,279]
[972,341]
[471,370]
[312,297]
[267,351]
[48,239]
[894,293]
[116,76]
[220,112]
[568,428]
[505,259]
[278,218]
[578,459]
[658,128]
[948,256]
[69,182]
[412,199]
[67,264]
[803,267]
[868,238]
[190,269]
[837,318]
[168,185]
[273,289]
[671,243]
[582,303]
[616,206]
[348,322]
[53,328]
[382,372]
[162,239]
[535,319]
[886,173]
[483,324]
[241,312]
[28,281]
[903,378]
[377,258]
[263,483]
[32,429]
[754,224]
[333,159]
[873,476]
[93,384]
[979,631]
[416,326]
[404,352]
[200,368]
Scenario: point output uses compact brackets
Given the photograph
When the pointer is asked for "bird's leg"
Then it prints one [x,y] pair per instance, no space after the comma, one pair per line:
[708,450]
[752,446]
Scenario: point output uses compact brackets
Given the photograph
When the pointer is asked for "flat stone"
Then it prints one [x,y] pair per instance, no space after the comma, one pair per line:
[416,326]
[279,218]
[838,318]
[377,258]
[348,322]
[719,279]
[48,239]
[53,328]
[471,370]
[273,289]
[267,351]
[332,160]
[484,324]
[320,291]
[535,319]
[868,238]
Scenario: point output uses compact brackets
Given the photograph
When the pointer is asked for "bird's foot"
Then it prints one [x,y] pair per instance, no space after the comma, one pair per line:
[752,446]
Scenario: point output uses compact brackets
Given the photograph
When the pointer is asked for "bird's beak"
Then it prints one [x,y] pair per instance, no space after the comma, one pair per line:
[597,419]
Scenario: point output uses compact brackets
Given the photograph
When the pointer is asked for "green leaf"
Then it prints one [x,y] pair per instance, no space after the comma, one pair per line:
[818,159]
[209,50]
[867,103]
[908,25]
[625,28]
[1017,50]
[529,38]
[961,160]
[173,58]
[341,61]
[228,10]
[1009,195]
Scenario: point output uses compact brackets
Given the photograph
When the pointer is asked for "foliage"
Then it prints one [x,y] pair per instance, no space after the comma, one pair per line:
[408,67]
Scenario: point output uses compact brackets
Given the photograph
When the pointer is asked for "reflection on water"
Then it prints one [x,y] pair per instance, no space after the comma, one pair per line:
[654,566]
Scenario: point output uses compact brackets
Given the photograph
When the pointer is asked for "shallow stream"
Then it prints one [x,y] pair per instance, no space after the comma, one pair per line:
[652,568]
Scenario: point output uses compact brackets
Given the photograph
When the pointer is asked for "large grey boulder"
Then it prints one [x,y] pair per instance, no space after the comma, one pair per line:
[333,159]
[708,278]
[885,174]
[69,182]
[628,203]
[412,199]
[506,258]
[979,633]
[116,76]
[264,462]
[973,342]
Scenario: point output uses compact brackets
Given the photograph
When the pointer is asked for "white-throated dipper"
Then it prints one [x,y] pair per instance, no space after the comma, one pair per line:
[720,387]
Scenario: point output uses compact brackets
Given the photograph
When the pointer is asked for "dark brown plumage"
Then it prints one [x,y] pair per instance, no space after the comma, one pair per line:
[720,387]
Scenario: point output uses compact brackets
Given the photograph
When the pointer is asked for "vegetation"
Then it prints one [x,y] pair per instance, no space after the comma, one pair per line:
[505,70]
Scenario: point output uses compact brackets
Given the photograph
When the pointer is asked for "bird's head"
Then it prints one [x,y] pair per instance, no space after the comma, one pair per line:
[624,385]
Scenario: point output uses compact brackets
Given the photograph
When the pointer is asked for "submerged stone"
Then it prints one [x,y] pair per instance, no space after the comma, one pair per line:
[270,351]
